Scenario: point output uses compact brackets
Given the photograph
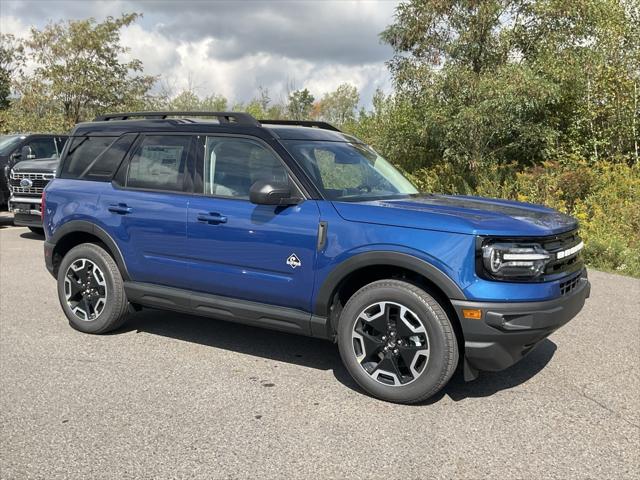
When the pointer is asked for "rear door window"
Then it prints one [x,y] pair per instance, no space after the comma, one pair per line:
[160,163]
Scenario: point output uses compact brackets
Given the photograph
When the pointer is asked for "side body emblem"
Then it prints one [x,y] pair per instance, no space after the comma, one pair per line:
[293,261]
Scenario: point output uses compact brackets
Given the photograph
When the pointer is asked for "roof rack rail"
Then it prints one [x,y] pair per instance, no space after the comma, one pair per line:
[238,118]
[301,123]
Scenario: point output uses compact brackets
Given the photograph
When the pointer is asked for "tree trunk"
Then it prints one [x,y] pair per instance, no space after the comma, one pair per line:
[635,116]
[591,127]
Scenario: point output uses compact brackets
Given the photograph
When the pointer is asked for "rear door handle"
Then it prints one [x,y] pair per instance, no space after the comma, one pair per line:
[211,218]
[120,208]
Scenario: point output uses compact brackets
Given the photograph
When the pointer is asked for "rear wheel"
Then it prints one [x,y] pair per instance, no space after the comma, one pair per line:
[37,230]
[91,290]
[397,342]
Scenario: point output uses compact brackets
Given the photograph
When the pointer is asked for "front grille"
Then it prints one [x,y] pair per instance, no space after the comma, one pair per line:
[560,243]
[38,182]
[567,286]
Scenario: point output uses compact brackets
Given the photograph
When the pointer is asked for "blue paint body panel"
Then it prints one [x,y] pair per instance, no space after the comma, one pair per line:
[152,237]
[246,256]
[461,214]
[163,242]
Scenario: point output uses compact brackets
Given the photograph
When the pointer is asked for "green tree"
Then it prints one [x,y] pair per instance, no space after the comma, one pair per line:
[516,81]
[11,60]
[339,106]
[214,103]
[300,104]
[186,100]
[430,34]
[591,50]
[33,110]
[81,63]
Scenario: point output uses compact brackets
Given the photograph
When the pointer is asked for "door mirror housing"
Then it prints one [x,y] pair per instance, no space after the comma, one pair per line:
[264,192]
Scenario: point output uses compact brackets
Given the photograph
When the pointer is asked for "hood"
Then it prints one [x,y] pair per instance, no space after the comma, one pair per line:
[461,214]
[38,165]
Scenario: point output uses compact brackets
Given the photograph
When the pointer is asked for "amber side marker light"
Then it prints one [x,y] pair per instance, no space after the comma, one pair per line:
[472,313]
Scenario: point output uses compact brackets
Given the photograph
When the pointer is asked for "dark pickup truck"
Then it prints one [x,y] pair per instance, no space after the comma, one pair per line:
[27,180]
[25,146]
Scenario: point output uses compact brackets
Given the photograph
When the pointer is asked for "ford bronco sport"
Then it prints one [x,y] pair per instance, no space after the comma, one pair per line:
[298,227]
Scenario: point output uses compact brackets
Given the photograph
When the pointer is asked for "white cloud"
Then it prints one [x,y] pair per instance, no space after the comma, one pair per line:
[232,48]
[13,26]
[158,53]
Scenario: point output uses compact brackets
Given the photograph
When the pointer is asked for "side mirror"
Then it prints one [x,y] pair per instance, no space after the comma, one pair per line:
[26,153]
[264,192]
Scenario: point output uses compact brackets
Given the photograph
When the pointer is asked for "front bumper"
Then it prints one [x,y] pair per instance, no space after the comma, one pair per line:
[26,211]
[508,331]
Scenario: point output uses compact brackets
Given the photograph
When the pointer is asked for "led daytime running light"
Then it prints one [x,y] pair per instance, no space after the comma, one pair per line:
[525,256]
[570,251]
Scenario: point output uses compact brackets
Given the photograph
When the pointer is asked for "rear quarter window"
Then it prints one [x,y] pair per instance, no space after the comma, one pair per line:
[95,158]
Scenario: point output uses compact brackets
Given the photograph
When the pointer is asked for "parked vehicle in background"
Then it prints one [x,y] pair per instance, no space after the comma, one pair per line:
[25,146]
[299,227]
[27,181]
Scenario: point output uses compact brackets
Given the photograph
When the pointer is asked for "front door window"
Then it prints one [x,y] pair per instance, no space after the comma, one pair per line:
[232,165]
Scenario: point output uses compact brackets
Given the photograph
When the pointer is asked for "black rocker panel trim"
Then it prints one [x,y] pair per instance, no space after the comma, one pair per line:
[383,258]
[76,226]
[223,308]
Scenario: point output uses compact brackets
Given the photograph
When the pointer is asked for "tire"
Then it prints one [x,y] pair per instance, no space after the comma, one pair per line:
[37,230]
[422,350]
[106,307]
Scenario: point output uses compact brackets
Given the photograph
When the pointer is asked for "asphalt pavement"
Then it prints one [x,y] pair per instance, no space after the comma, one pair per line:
[174,396]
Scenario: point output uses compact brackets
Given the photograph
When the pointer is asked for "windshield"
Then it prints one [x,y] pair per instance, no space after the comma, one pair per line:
[8,143]
[349,171]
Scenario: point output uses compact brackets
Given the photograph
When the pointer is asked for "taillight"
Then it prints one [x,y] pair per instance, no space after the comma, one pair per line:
[42,204]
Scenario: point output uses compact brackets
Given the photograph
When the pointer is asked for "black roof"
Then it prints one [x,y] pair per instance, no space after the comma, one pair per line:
[222,122]
[286,132]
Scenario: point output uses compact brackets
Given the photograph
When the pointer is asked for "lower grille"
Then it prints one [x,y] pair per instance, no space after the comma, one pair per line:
[569,285]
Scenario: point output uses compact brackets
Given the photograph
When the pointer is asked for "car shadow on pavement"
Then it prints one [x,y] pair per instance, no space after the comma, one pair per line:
[316,353]
[32,236]
[279,346]
[489,383]
[6,220]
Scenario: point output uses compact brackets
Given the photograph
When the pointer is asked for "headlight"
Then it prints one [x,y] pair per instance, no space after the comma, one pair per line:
[506,260]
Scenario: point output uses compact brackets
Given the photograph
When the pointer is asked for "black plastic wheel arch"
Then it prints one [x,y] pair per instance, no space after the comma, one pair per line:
[383,259]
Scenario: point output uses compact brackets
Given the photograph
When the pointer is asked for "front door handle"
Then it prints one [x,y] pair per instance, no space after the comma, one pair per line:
[211,218]
[120,208]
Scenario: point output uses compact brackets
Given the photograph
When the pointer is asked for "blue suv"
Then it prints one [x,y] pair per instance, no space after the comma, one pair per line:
[299,227]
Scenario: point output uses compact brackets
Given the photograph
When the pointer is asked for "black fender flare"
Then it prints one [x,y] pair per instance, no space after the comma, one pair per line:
[75,226]
[383,258]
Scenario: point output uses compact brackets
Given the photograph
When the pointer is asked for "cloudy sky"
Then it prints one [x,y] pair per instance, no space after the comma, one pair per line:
[232,47]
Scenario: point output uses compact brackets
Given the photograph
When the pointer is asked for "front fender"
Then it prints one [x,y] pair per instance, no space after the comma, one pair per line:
[382,257]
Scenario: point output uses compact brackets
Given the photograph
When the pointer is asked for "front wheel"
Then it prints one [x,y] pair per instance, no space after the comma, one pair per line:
[91,290]
[397,342]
